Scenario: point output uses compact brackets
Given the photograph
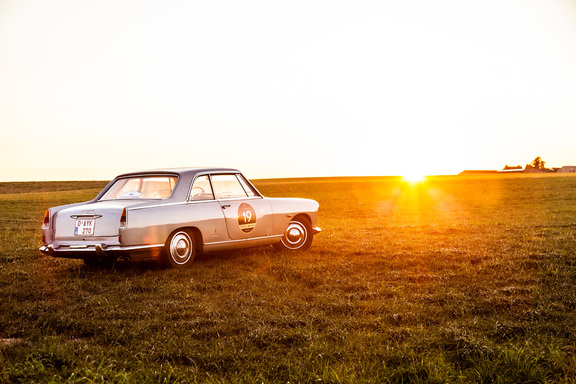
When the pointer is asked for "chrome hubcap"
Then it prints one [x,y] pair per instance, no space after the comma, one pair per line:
[295,236]
[181,247]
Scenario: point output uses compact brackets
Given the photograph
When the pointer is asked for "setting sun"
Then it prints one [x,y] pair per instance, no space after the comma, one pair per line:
[414,177]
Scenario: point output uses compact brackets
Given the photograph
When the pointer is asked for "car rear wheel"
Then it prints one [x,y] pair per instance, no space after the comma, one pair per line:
[297,237]
[180,249]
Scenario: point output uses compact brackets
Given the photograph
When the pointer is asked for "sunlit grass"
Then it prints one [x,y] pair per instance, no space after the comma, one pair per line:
[450,280]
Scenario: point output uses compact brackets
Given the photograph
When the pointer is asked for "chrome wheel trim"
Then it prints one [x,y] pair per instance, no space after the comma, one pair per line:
[295,236]
[181,248]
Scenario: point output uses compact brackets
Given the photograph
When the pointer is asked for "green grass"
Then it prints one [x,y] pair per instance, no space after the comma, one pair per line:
[453,280]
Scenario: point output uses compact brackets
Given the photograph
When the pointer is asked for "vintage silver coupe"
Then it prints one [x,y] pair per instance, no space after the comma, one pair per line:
[173,214]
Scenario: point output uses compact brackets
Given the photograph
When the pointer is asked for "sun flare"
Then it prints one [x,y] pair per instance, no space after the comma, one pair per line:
[414,177]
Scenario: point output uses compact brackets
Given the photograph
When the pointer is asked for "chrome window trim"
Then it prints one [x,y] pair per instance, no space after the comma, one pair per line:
[155,206]
[201,201]
[250,185]
[171,204]
[200,174]
[240,198]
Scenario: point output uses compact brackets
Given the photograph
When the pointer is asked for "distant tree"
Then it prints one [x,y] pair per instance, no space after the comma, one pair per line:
[509,167]
[538,163]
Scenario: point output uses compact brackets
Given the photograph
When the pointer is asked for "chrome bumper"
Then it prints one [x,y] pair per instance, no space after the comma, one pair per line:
[79,251]
[316,230]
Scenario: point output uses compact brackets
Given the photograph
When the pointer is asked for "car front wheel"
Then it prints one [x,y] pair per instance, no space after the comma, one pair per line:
[297,237]
[180,250]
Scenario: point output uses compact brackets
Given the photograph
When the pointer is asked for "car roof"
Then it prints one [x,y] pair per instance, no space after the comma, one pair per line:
[186,171]
[186,176]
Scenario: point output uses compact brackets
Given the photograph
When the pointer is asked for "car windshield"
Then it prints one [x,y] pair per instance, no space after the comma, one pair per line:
[141,187]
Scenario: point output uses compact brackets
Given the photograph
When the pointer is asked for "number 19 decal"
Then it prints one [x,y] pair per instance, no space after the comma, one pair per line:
[246,217]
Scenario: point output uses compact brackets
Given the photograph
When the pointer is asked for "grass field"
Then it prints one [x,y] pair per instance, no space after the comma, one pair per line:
[452,280]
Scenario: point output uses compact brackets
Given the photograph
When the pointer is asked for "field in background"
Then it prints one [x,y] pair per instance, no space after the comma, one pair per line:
[452,280]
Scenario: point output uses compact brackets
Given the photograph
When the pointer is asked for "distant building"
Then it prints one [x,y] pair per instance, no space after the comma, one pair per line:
[512,168]
[567,169]
[518,169]
[531,169]
[476,172]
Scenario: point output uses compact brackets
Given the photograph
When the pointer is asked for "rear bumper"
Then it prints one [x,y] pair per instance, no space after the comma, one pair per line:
[316,230]
[101,250]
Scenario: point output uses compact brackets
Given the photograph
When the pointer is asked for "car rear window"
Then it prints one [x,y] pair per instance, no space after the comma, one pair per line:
[141,187]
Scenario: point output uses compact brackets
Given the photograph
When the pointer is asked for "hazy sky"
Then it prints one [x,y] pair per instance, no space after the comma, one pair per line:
[90,89]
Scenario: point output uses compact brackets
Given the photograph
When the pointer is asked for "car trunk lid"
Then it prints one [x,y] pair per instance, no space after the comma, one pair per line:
[90,221]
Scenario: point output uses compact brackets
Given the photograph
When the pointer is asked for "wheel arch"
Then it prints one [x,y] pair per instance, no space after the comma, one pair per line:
[196,233]
[304,216]
[198,238]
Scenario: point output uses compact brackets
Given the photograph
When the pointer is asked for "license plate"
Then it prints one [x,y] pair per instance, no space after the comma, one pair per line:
[84,227]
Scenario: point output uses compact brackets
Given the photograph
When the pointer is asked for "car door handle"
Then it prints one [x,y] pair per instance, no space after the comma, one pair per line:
[226,206]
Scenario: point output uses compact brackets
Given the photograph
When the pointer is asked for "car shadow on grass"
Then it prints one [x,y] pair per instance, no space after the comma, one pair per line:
[205,260]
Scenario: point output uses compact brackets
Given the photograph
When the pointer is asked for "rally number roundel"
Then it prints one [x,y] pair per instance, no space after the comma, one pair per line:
[246,217]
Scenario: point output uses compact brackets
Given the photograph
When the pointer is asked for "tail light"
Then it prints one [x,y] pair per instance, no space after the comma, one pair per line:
[46,223]
[123,223]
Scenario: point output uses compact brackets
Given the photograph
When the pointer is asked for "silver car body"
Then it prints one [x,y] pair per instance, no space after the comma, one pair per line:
[139,228]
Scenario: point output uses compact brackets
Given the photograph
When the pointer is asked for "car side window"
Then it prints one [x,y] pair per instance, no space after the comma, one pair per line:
[201,190]
[227,186]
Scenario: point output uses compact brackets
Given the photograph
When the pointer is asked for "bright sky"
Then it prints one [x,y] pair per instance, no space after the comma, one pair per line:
[90,89]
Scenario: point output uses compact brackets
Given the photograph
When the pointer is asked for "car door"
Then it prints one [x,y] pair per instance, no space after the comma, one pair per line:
[247,214]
